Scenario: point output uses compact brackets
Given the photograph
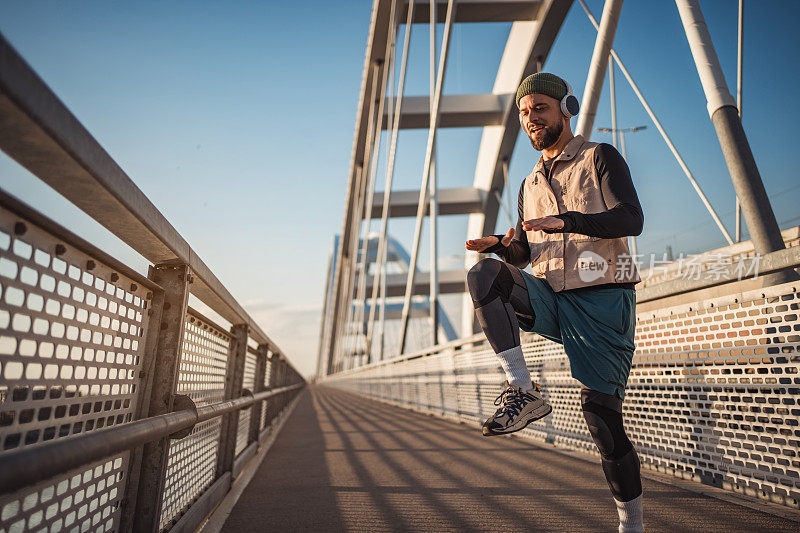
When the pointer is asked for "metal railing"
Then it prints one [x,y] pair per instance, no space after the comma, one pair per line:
[121,407]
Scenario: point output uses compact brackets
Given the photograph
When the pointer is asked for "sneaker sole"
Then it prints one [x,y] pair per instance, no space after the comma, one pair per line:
[489,433]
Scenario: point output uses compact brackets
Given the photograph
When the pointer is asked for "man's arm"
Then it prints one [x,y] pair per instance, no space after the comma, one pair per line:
[518,252]
[624,216]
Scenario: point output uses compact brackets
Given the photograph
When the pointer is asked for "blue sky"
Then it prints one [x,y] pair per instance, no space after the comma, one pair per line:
[236,120]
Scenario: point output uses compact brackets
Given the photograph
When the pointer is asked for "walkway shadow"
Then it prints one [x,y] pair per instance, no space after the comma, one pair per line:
[291,489]
[347,463]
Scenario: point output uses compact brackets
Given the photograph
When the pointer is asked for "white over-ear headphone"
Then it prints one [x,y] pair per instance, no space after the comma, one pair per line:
[569,104]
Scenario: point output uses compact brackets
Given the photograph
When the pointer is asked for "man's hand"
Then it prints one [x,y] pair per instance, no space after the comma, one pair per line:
[479,245]
[538,224]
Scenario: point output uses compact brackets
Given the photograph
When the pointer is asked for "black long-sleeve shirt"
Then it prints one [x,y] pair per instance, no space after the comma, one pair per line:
[622,218]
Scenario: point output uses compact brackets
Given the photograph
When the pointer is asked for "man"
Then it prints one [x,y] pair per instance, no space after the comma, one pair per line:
[576,210]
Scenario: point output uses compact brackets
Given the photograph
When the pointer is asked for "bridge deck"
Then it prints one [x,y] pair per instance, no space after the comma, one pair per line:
[346,463]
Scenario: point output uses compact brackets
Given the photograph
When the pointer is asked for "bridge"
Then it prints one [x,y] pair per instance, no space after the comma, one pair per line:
[152,401]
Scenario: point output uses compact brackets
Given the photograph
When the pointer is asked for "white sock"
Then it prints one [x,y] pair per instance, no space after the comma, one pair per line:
[513,363]
[630,515]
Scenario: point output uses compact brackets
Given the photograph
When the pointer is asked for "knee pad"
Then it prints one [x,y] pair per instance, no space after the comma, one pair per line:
[489,279]
[605,424]
[603,415]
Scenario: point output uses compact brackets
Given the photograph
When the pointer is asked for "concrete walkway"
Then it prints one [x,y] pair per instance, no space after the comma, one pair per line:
[346,463]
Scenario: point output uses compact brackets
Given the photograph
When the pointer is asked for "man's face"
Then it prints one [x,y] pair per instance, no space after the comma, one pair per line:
[541,118]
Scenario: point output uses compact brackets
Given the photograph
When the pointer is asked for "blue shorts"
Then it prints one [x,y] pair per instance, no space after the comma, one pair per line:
[595,325]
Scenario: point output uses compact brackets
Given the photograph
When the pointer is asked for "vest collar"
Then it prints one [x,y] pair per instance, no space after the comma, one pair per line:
[569,151]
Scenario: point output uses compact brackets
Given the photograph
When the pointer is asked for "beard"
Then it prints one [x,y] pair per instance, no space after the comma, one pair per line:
[549,138]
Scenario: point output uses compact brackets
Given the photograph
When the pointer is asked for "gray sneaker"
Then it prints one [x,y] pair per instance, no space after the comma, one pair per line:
[517,410]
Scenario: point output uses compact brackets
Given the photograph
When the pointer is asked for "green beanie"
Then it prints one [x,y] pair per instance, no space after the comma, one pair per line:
[542,83]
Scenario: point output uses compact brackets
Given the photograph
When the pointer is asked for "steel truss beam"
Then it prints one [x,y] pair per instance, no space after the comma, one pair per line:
[395,311]
[455,111]
[450,282]
[478,10]
[456,201]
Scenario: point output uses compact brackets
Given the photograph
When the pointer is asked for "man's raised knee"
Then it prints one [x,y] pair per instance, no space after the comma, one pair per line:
[481,277]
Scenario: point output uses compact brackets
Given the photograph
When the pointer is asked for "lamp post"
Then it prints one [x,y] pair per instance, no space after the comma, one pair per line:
[622,135]
[621,132]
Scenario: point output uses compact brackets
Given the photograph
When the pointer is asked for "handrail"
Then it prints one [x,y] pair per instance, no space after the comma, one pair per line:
[42,135]
[36,463]
[24,211]
[766,264]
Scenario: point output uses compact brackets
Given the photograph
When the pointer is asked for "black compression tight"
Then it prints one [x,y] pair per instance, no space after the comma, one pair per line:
[499,293]
[603,415]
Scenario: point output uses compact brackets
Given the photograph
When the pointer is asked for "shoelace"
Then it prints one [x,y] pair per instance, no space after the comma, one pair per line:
[512,401]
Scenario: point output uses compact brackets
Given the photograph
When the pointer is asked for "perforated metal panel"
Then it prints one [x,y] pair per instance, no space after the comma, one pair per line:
[243,428]
[263,422]
[87,499]
[723,375]
[72,335]
[714,393]
[192,460]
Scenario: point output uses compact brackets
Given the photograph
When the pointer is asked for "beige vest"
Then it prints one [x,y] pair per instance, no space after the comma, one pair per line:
[571,260]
